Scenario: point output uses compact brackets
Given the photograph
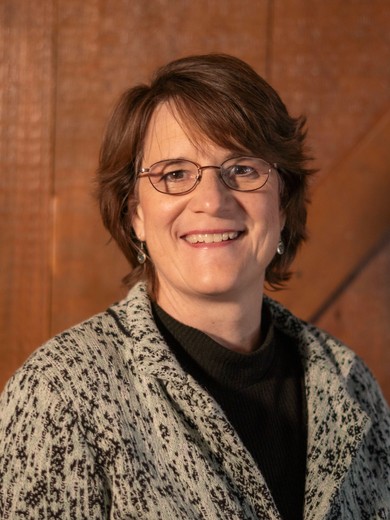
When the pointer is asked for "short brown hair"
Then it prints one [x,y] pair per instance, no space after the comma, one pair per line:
[225,100]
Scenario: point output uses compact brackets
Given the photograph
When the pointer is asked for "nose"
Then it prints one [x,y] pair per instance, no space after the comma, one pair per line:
[211,195]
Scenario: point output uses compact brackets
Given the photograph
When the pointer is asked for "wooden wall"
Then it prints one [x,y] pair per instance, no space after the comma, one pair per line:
[62,66]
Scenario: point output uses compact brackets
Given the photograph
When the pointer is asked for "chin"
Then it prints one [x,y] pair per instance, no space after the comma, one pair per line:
[212,287]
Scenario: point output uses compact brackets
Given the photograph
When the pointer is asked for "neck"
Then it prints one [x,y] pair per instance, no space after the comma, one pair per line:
[234,323]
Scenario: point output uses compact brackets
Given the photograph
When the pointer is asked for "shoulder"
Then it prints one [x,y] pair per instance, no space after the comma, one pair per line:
[318,347]
[85,359]
[56,414]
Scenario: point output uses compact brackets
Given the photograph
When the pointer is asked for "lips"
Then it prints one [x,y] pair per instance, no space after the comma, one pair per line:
[210,238]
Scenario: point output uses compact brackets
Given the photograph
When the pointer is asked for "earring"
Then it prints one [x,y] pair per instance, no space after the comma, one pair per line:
[141,257]
[280,248]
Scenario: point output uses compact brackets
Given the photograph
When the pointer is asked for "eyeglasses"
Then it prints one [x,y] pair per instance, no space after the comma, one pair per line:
[178,176]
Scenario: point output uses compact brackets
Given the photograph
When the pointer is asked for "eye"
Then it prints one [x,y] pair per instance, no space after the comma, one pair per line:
[173,171]
[241,169]
[175,176]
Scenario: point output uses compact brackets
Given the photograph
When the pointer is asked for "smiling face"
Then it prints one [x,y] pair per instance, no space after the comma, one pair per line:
[212,242]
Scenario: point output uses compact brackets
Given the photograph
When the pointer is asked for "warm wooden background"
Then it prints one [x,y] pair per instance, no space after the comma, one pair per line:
[63,65]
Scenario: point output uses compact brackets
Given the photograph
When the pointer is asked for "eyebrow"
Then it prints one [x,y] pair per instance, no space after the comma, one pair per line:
[230,155]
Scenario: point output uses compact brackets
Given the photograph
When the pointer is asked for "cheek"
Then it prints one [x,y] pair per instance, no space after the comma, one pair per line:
[159,214]
[276,213]
[138,222]
[268,227]
[268,215]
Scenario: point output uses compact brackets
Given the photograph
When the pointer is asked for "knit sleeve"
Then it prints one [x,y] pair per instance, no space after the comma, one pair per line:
[47,469]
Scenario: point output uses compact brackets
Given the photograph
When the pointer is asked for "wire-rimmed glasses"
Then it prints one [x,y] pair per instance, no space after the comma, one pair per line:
[180,176]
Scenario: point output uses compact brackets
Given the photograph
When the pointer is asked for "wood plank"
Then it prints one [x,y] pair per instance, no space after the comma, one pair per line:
[26,120]
[103,49]
[350,212]
[360,317]
[331,60]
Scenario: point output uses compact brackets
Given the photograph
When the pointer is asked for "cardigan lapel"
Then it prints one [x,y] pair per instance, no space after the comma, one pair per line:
[153,357]
[337,425]
[209,420]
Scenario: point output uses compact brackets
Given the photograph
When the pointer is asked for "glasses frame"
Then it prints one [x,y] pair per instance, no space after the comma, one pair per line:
[146,171]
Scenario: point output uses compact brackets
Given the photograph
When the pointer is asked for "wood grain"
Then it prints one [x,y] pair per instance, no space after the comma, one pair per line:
[331,61]
[26,121]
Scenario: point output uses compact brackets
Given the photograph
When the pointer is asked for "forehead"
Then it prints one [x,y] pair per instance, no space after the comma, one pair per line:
[170,136]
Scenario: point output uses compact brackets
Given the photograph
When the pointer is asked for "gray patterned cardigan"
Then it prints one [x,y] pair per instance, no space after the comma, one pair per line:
[102,422]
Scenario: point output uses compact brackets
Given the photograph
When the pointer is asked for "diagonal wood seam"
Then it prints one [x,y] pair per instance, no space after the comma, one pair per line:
[351,277]
[349,215]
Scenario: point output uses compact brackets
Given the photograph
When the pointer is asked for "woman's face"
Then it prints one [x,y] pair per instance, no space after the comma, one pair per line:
[227,269]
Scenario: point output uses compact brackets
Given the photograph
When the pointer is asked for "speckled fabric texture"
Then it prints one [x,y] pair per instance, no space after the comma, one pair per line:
[102,422]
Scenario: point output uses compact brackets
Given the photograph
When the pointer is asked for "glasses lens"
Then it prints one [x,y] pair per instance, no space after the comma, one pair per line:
[245,173]
[174,176]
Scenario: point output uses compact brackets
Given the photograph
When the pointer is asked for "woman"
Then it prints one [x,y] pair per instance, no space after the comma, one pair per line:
[197,396]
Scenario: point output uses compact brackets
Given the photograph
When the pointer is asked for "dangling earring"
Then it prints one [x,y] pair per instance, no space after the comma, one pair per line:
[280,248]
[141,257]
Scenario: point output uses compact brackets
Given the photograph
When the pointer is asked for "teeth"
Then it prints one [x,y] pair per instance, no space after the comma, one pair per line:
[209,238]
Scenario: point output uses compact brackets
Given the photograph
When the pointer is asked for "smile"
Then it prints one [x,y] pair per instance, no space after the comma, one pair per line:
[210,238]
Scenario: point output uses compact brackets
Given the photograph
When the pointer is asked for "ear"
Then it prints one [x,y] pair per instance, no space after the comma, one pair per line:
[138,223]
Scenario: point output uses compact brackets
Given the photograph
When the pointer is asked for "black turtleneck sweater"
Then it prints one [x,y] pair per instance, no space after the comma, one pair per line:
[262,395]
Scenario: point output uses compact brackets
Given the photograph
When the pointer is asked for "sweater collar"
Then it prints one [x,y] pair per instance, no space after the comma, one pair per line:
[216,365]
